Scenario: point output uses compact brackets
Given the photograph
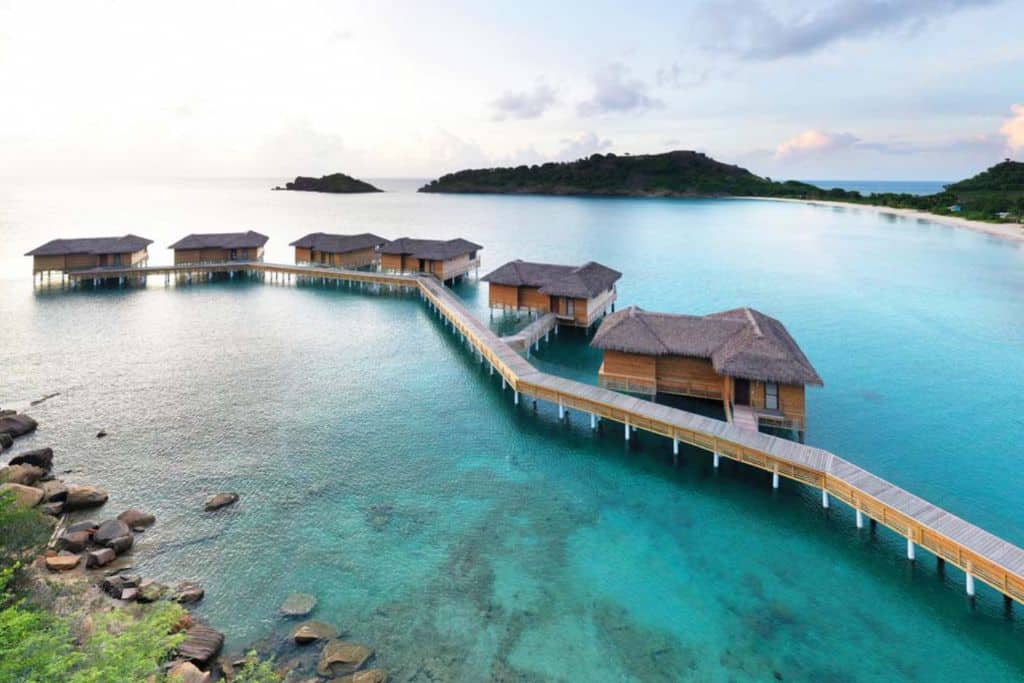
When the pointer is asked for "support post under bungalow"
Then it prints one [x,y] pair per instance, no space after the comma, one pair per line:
[910,547]
[775,477]
[515,397]
[627,430]
[969,585]
[716,460]
[593,420]
[860,519]
[824,499]
[561,411]
[675,451]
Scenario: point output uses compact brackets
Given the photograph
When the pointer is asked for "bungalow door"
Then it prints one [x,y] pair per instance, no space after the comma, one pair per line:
[741,392]
[570,307]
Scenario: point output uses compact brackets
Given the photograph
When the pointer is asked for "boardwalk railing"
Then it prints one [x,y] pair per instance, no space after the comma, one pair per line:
[980,554]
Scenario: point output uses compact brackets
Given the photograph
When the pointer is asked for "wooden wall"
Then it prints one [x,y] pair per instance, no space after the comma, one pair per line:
[630,365]
[216,255]
[689,377]
[503,296]
[349,259]
[530,297]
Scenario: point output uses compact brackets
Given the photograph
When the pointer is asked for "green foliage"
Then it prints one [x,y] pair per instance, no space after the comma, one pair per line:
[123,648]
[338,183]
[999,189]
[35,646]
[21,528]
[256,670]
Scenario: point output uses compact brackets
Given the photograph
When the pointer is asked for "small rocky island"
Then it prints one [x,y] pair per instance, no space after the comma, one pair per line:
[335,183]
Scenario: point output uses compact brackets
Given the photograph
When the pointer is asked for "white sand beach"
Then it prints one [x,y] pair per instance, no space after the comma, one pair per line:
[1008,231]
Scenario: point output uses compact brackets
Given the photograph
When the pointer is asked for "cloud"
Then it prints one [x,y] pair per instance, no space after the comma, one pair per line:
[583,144]
[814,141]
[527,104]
[1013,129]
[615,92]
[750,30]
[675,76]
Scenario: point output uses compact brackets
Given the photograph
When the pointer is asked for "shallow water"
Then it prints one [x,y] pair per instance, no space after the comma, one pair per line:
[383,470]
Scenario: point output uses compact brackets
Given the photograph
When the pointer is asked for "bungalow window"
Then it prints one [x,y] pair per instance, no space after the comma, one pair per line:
[771,396]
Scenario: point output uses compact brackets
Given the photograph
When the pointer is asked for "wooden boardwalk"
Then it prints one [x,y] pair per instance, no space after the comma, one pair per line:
[531,335]
[980,554]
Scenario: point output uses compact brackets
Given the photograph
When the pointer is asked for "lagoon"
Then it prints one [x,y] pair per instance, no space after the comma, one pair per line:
[382,470]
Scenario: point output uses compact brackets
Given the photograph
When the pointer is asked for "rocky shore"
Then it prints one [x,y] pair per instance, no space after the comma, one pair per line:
[96,553]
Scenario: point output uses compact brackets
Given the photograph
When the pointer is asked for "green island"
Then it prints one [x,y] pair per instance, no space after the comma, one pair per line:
[335,183]
[995,195]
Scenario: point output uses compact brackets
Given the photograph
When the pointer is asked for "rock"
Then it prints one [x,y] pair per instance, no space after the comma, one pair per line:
[151,591]
[87,525]
[100,434]
[54,509]
[136,519]
[298,605]
[115,534]
[74,541]
[119,585]
[221,500]
[201,644]
[6,441]
[187,672]
[81,497]
[188,592]
[54,491]
[26,475]
[25,496]
[311,631]
[368,676]
[62,563]
[99,558]
[339,657]
[17,425]
[40,457]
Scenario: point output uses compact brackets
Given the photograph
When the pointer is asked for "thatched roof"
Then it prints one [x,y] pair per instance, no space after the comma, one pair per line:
[582,282]
[128,244]
[740,342]
[338,244]
[432,250]
[221,240]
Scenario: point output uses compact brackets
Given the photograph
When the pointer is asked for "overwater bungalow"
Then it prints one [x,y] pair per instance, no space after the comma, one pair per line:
[219,247]
[347,251]
[741,357]
[577,295]
[445,259]
[64,255]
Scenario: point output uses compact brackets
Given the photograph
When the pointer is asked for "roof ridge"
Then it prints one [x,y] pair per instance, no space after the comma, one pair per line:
[753,322]
[654,334]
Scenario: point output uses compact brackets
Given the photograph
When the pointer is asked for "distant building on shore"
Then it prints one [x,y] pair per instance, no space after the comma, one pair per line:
[63,255]
[219,247]
[348,251]
[445,259]
[741,357]
[577,295]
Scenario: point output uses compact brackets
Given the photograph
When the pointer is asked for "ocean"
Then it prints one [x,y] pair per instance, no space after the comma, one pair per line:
[381,469]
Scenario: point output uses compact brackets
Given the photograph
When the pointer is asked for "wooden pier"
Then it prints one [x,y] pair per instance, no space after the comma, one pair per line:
[980,554]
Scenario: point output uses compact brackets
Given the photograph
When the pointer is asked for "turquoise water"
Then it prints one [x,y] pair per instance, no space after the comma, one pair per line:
[383,470]
[880,186]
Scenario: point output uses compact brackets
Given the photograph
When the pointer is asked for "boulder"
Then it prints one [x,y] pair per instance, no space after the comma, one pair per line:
[74,541]
[201,644]
[187,672]
[298,605]
[40,457]
[339,657]
[54,491]
[17,425]
[99,558]
[221,500]
[100,434]
[137,520]
[54,509]
[62,563]
[188,592]
[311,631]
[121,586]
[26,475]
[151,591]
[82,497]
[6,441]
[86,525]
[111,533]
[368,676]
[25,496]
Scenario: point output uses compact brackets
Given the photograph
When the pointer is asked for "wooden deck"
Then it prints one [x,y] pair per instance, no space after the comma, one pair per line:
[743,417]
[980,554]
[532,334]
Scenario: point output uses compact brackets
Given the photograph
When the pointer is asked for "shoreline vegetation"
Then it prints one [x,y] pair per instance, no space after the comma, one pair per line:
[335,183]
[994,196]
[72,608]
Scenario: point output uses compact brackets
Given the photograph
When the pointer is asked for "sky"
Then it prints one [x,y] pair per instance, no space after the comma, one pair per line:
[815,89]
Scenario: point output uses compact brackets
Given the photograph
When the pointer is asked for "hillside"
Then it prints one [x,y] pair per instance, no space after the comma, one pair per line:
[673,174]
[337,183]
